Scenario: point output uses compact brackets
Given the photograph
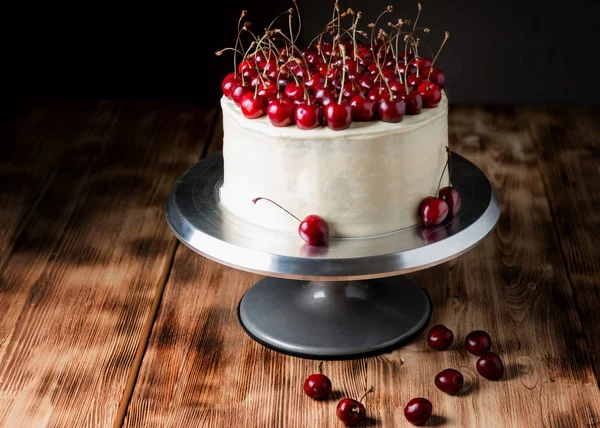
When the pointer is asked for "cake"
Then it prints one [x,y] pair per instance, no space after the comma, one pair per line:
[329,131]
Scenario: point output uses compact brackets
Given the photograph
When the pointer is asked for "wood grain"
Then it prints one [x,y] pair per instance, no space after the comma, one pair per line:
[201,369]
[567,142]
[82,271]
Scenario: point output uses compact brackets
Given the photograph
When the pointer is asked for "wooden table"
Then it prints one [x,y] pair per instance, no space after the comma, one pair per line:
[108,321]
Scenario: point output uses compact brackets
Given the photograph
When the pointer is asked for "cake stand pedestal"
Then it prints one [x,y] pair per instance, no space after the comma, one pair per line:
[350,299]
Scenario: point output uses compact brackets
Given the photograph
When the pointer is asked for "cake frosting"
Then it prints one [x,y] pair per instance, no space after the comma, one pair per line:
[366,180]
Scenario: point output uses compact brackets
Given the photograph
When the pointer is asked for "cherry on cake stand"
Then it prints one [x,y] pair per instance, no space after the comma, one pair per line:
[350,299]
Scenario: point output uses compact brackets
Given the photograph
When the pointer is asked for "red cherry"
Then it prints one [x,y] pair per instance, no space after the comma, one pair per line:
[252,107]
[449,381]
[418,410]
[228,85]
[231,76]
[490,366]
[308,116]
[392,111]
[414,102]
[338,116]
[436,76]
[323,69]
[430,93]
[398,88]
[245,65]
[314,230]
[317,386]
[313,58]
[294,91]
[478,342]
[389,74]
[267,90]
[315,80]
[373,69]
[433,211]
[440,337]
[363,110]
[414,81]
[283,81]
[421,62]
[350,90]
[350,411]
[238,93]
[452,197]
[281,112]
[321,91]
[378,93]
[367,82]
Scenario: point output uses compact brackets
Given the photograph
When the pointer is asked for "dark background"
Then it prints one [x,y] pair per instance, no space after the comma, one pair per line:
[499,52]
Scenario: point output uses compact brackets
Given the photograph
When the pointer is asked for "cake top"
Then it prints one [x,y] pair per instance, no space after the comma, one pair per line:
[347,73]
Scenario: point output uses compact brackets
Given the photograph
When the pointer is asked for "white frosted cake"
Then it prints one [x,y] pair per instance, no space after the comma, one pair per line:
[355,133]
[366,180]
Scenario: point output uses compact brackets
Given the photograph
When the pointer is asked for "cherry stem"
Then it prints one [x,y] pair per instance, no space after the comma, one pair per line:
[343,49]
[383,78]
[418,14]
[294,47]
[299,21]
[443,171]
[446,37]
[275,203]
[388,9]
[321,367]
[365,394]
[238,41]
[358,15]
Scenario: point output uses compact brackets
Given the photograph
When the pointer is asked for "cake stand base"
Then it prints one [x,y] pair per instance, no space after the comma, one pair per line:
[334,320]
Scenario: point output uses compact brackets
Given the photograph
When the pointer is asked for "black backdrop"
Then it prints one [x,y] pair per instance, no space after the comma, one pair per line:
[499,52]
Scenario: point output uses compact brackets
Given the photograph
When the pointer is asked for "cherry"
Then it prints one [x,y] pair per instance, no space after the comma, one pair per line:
[449,381]
[350,411]
[317,386]
[351,89]
[430,93]
[398,88]
[414,81]
[421,62]
[490,366]
[452,197]
[230,76]
[245,65]
[418,410]
[478,342]
[315,80]
[321,92]
[294,91]
[367,82]
[267,90]
[238,92]
[440,337]
[378,93]
[338,116]
[414,102]
[433,211]
[308,116]
[227,86]
[436,76]
[389,74]
[313,58]
[281,112]
[363,110]
[252,107]
[313,229]
[391,110]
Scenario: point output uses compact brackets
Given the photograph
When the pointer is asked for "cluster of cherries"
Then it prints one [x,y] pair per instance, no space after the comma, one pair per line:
[349,410]
[335,81]
[450,381]
[434,210]
[418,410]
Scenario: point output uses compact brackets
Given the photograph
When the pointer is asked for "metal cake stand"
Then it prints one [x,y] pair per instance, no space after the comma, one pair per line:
[347,300]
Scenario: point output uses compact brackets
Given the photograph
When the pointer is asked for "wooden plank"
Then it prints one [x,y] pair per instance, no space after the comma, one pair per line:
[81,279]
[568,145]
[201,369]
[27,169]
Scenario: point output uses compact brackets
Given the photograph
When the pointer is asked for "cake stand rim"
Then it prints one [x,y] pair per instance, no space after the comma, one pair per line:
[280,266]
